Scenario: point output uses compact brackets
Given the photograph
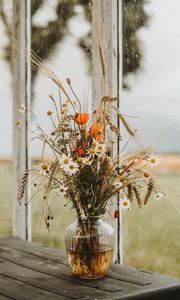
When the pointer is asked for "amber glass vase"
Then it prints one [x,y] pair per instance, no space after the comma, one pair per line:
[90,247]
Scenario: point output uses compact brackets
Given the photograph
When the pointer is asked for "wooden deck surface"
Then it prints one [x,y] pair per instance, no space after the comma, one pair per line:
[32,271]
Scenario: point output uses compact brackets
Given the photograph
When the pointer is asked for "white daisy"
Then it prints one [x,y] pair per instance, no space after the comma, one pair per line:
[91,152]
[43,169]
[153,160]
[118,184]
[160,196]
[125,204]
[100,149]
[64,161]
[22,109]
[87,161]
[71,168]
[61,190]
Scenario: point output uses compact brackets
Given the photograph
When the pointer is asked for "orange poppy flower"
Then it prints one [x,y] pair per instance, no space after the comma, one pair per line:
[96,131]
[82,118]
[79,151]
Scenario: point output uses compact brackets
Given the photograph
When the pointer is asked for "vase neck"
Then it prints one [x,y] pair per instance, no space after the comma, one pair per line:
[91,219]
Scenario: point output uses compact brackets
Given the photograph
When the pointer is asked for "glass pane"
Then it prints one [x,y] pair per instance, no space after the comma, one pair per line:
[151,93]
[57,30]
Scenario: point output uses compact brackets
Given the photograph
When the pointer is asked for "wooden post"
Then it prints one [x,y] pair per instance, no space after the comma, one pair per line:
[107,26]
[21,95]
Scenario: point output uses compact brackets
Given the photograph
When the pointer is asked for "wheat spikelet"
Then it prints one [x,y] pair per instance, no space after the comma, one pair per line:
[130,193]
[109,99]
[126,125]
[22,186]
[72,139]
[138,196]
[113,127]
[150,189]
[102,61]
[63,126]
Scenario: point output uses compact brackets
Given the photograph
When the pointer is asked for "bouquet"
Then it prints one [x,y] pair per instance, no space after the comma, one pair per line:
[83,168]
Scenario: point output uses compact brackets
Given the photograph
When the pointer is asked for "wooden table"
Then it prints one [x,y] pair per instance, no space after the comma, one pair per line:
[32,271]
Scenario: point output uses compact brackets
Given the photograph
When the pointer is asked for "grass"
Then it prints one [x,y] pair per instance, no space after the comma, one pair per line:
[151,235]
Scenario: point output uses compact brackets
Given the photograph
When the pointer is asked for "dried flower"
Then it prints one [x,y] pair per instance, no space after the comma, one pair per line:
[22,109]
[146,174]
[97,131]
[43,169]
[100,149]
[91,152]
[116,214]
[87,161]
[19,123]
[71,168]
[153,160]
[63,111]
[61,190]
[125,204]
[118,184]
[79,160]
[160,196]
[64,160]
[68,80]
[49,112]
[82,118]
[79,151]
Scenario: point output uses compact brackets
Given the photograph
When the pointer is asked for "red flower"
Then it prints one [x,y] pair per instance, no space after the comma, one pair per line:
[116,214]
[82,118]
[79,151]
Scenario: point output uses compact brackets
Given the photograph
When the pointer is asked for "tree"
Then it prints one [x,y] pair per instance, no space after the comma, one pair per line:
[45,38]
[134,18]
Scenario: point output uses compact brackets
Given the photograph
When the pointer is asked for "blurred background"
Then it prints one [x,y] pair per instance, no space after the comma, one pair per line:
[151,96]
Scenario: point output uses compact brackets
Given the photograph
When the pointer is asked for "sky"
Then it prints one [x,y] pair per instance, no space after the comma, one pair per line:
[154,94]
[155,90]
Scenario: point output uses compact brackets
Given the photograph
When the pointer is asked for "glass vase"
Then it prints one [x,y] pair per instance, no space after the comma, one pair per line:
[90,247]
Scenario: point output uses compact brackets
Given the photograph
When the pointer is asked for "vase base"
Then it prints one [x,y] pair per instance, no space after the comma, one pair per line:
[91,265]
[89,278]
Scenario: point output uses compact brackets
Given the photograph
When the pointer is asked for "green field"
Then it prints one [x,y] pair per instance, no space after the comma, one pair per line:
[151,235]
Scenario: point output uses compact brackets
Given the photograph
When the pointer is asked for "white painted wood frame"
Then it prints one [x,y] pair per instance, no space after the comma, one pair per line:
[107,24]
[21,95]
[107,28]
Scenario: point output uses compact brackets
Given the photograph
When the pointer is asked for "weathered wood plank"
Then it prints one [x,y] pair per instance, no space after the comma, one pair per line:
[47,282]
[63,271]
[2,297]
[56,269]
[21,263]
[59,256]
[15,289]
[121,272]
[56,255]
